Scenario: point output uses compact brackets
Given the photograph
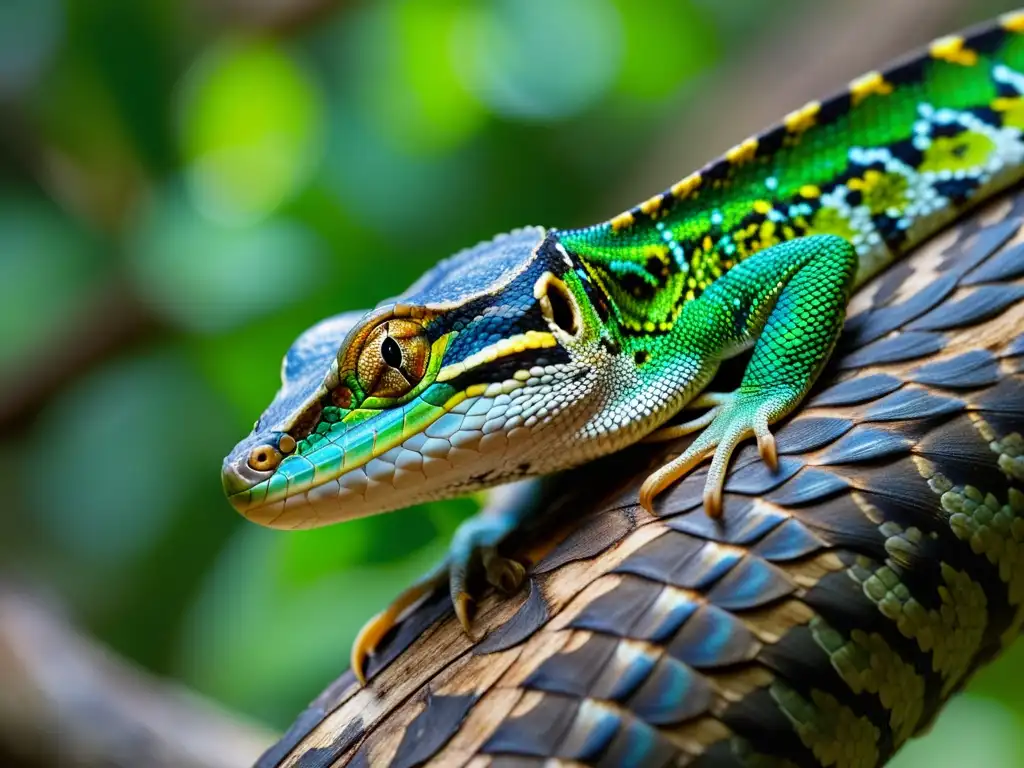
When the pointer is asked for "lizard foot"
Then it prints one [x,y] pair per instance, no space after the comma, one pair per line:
[474,544]
[710,400]
[732,419]
[376,628]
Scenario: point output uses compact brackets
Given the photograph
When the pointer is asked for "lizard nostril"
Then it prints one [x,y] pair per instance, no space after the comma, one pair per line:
[264,458]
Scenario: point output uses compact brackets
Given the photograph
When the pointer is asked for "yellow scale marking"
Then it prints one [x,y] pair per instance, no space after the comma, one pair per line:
[687,186]
[651,206]
[622,221]
[802,119]
[1014,22]
[994,531]
[868,85]
[952,634]
[503,348]
[952,49]
[742,153]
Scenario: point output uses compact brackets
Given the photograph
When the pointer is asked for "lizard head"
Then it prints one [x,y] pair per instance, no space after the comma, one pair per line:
[482,372]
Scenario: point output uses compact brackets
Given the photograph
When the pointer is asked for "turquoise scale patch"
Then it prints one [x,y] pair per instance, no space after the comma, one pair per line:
[327,460]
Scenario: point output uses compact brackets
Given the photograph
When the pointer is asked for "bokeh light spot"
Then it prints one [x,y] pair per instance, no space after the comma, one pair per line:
[666,44]
[251,127]
[539,61]
[205,276]
[29,33]
[404,79]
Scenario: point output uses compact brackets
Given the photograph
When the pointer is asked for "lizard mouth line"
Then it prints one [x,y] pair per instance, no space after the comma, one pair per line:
[341,454]
[352,449]
[351,446]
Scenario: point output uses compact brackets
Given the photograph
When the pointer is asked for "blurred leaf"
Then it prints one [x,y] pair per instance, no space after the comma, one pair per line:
[266,645]
[129,48]
[29,33]
[407,199]
[970,731]
[1001,679]
[308,556]
[399,120]
[111,461]
[387,538]
[404,78]
[209,277]
[47,273]
[666,43]
[244,363]
[539,61]
[251,128]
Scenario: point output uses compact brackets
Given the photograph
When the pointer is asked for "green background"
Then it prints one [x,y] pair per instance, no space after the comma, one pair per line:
[186,185]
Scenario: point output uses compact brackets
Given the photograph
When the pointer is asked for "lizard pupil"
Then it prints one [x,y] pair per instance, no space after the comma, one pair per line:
[391,353]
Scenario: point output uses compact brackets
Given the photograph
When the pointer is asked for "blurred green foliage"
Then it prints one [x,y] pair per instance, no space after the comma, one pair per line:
[203,180]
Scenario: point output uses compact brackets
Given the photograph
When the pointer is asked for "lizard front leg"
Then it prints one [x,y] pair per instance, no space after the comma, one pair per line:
[790,301]
[475,544]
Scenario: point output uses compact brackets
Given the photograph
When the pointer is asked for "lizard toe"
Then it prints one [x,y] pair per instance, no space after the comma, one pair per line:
[732,419]
[503,573]
[377,628]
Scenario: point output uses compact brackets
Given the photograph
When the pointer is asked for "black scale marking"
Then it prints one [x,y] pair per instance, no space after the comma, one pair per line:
[909,345]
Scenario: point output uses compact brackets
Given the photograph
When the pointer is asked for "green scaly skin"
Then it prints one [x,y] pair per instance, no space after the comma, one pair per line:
[543,349]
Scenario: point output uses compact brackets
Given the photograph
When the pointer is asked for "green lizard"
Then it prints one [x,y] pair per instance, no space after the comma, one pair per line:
[545,348]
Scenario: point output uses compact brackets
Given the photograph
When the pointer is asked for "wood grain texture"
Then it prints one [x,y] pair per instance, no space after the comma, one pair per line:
[823,621]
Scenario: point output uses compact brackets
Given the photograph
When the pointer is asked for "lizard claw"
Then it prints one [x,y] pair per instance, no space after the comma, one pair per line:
[472,545]
[503,573]
[767,449]
[463,611]
[732,420]
[375,629]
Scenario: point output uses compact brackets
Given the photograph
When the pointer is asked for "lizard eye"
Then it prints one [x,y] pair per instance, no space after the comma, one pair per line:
[391,353]
[393,359]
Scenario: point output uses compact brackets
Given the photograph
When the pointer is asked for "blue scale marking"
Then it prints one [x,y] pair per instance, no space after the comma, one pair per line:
[601,726]
[641,742]
[632,676]
[672,621]
[660,706]
[788,542]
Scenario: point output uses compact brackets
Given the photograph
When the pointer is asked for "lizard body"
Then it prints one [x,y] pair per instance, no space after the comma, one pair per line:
[546,348]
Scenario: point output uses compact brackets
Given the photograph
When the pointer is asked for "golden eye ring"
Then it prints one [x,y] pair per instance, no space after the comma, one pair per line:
[393,359]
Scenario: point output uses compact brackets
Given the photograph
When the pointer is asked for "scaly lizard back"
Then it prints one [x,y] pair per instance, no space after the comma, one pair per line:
[885,164]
